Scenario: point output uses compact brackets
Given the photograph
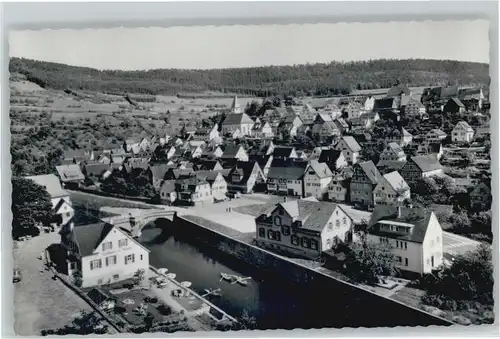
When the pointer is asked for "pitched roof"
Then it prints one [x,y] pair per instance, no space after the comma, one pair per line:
[51,183]
[385,103]
[398,90]
[95,169]
[450,91]
[321,169]
[69,173]
[371,171]
[244,168]
[235,105]
[75,153]
[388,165]
[208,176]
[159,171]
[457,102]
[414,98]
[283,151]
[287,169]
[395,147]
[231,151]
[437,131]
[427,163]
[464,125]
[396,181]
[351,143]
[329,156]
[340,122]
[314,215]
[417,218]
[237,119]
[88,237]
[168,186]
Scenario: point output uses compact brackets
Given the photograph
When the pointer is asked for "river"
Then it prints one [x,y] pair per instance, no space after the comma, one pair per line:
[273,302]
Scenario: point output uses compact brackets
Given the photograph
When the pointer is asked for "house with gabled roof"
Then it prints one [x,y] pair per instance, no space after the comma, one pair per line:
[206,134]
[244,176]
[323,131]
[70,175]
[193,191]
[435,135]
[289,125]
[365,178]
[95,171]
[480,197]
[398,91]
[338,190]
[235,152]
[264,162]
[392,189]
[386,105]
[454,105]
[317,177]
[400,135]
[262,130]
[77,156]
[350,148]
[333,158]
[237,122]
[102,253]
[462,132]
[421,166]
[392,152]
[435,148]
[218,183]
[303,227]
[61,201]
[413,234]
[285,177]
[472,98]
[284,152]
[414,107]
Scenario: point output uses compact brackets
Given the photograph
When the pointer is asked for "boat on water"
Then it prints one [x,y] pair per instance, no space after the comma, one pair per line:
[242,282]
[227,277]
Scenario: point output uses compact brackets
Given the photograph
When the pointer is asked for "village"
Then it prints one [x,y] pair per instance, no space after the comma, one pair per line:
[299,180]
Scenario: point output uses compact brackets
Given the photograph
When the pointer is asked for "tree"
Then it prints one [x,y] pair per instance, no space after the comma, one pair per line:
[87,323]
[459,221]
[469,279]
[139,276]
[247,322]
[367,261]
[31,206]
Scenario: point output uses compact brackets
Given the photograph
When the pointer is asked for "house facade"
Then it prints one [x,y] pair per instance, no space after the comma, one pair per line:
[290,228]
[480,197]
[317,177]
[462,132]
[393,152]
[240,122]
[415,236]
[415,108]
[392,189]
[286,177]
[400,136]
[364,179]
[102,253]
[421,166]
[435,135]
[338,189]
[193,191]
[350,149]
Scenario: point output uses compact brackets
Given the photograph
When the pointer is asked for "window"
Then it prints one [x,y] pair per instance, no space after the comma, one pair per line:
[399,259]
[262,232]
[129,259]
[277,235]
[305,242]
[141,256]
[111,260]
[330,226]
[95,264]
[406,245]
[406,261]
[270,234]
[328,243]
[337,224]
[277,221]
[314,244]
[107,246]
[116,277]
[122,242]
[68,214]
[295,239]
[285,230]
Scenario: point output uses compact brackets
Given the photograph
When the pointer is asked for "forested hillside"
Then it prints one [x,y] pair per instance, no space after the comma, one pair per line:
[314,79]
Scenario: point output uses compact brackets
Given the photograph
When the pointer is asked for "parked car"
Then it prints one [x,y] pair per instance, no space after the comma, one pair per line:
[17,275]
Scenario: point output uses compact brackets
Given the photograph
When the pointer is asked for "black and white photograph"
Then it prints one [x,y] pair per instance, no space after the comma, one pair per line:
[251,177]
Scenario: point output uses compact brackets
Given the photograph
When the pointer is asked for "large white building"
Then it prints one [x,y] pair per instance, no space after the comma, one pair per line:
[102,253]
[303,227]
[415,236]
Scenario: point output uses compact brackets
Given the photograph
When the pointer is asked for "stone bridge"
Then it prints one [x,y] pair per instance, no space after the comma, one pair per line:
[135,223]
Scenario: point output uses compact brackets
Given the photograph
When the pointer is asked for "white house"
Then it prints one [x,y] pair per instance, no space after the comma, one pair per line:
[303,227]
[61,202]
[286,177]
[354,110]
[167,191]
[240,122]
[391,189]
[414,108]
[262,130]
[415,235]
[317,177]
[102,253]
[350,149]
[393,152]
[462,132]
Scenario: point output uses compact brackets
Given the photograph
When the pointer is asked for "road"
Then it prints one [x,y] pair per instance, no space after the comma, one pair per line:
[40,302]
[456,244]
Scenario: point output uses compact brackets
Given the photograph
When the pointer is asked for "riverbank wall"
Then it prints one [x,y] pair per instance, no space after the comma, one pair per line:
[361,308]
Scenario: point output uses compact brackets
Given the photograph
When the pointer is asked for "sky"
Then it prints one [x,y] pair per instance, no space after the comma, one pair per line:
[204,47]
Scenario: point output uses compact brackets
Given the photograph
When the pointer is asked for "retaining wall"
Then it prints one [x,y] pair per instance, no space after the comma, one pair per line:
[351,306]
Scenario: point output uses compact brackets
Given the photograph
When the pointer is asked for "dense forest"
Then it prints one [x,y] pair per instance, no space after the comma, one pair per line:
[297,80]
